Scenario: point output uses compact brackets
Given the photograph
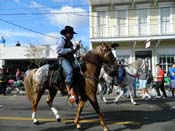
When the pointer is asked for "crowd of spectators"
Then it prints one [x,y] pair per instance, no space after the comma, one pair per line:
[9,82]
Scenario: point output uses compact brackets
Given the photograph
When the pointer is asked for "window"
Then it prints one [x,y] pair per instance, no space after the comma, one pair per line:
[166,61]
[122,22]
[165,20]
[101,23]
[124,57]
[143,21]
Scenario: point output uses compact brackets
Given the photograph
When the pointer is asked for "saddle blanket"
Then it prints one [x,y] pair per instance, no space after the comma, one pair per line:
[41,74]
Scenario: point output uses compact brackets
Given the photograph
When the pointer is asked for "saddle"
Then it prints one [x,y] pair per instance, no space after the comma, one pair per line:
[57,76]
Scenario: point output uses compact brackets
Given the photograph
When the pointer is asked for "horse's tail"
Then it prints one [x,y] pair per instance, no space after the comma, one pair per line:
[28,83]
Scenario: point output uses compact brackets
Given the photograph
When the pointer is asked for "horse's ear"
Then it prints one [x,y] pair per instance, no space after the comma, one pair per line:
[103,44]
[102,47]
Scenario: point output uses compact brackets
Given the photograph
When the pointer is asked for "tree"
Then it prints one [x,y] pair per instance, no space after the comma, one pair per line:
[36,54]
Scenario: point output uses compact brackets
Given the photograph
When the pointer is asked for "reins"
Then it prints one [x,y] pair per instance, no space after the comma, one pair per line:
[82,73]
[96,62]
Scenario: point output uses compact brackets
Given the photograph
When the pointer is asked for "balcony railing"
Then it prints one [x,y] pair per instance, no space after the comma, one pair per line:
[133,31]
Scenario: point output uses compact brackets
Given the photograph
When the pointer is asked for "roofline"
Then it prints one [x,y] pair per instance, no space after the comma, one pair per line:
[122,39]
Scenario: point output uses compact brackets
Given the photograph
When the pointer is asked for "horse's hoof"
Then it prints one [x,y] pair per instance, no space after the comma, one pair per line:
[78,126]
[79,129]
[106,129]
[115,101]
[134,103]
[36,122]
[106,101]
[58,119]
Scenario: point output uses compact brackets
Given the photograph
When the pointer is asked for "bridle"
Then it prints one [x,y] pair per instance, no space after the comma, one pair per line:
[96,63]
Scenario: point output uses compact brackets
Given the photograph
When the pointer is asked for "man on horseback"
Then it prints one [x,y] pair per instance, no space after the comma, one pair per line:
[66,58]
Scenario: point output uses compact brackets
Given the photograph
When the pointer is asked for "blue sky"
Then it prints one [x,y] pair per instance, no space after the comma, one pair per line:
[44,16]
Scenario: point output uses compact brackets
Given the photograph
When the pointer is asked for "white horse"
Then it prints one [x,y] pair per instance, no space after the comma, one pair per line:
[132,70]
[106,82]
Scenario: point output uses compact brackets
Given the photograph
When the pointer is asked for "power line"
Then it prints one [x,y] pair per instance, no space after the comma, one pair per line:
[109,10]
[80,5]
[80,13]
[67,13]
[44,13]
[27,29]
[30,8]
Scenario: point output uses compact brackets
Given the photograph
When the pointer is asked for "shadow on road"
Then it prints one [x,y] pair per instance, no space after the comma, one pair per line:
[137,115]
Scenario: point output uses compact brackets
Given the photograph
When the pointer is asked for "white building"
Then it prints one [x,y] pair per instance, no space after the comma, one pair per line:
[16,56]
[135,24]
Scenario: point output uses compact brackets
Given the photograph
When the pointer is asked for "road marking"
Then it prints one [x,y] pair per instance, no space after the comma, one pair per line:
[70,120]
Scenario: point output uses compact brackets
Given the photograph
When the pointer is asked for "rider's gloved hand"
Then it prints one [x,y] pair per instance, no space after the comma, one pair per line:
[76,49]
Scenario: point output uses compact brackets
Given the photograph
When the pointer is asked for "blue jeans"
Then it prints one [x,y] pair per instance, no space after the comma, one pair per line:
[68,70]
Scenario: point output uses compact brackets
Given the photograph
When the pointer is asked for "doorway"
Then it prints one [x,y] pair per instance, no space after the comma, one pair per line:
[143,54]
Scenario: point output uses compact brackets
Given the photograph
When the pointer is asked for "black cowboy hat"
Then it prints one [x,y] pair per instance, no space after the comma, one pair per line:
[114,45]
[67,29]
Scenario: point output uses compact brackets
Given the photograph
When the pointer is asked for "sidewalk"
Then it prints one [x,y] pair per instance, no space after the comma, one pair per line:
[152,92]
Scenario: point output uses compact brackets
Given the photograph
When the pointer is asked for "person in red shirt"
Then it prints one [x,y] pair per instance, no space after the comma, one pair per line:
[18,74]
[160,81]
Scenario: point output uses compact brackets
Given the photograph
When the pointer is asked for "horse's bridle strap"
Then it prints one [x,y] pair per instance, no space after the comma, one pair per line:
[131,75]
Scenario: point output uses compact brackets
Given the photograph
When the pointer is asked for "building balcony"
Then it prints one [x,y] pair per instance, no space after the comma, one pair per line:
[133,32]
[129,2]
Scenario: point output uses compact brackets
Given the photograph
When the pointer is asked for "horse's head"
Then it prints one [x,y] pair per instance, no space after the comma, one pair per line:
[105,53]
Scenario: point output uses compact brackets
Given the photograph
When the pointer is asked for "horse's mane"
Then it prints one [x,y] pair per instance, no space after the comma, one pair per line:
[93,57]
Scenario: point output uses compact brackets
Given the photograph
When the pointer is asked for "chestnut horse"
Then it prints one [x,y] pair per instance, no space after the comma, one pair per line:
[87,84]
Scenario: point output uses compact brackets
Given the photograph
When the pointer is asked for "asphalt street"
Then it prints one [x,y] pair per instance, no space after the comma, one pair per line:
[148,115]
